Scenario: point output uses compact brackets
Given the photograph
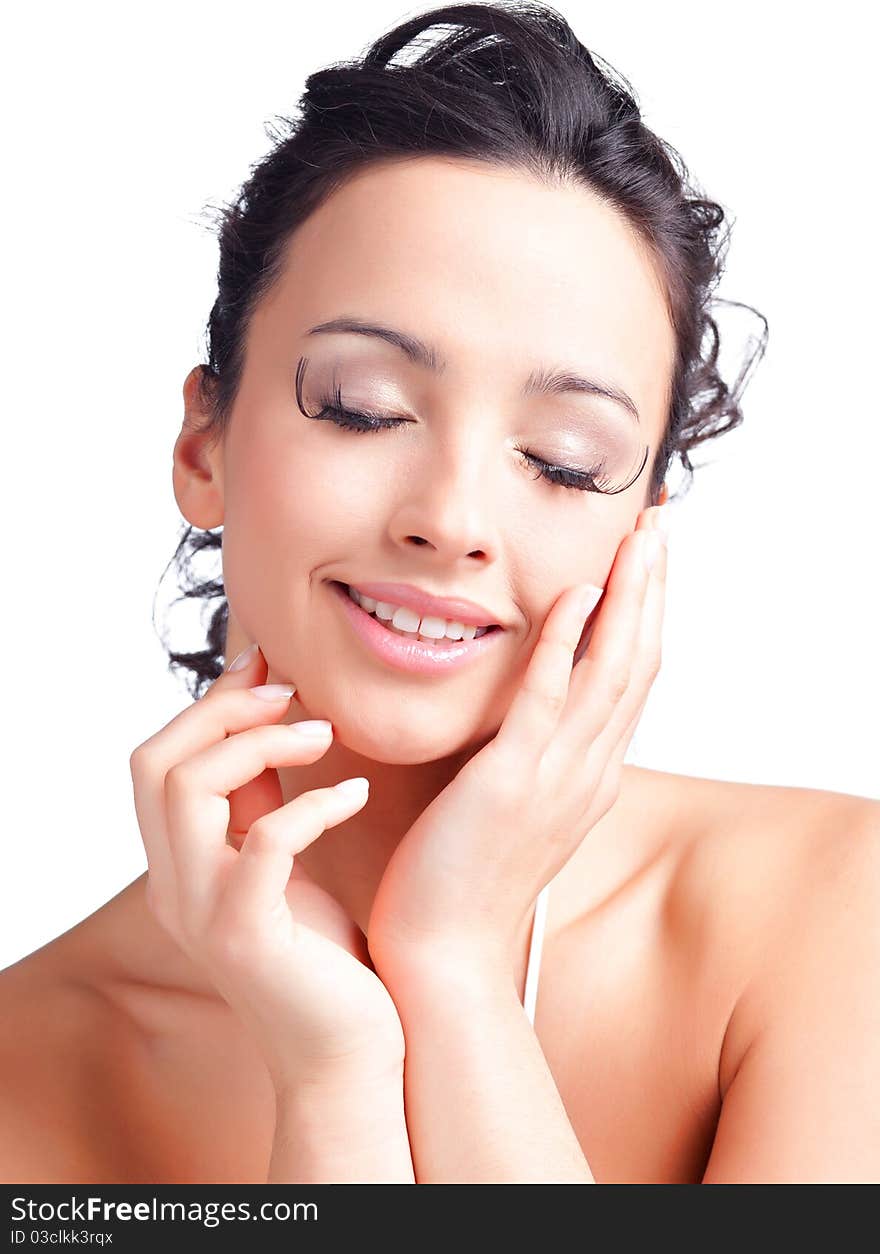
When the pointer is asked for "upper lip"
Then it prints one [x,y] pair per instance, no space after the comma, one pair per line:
[453,609]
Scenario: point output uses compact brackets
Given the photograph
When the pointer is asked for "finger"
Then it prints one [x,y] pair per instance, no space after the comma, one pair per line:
[650,651]
[257,883]
[645,658]
[260,795]
[196,800]
[654,516]
[535,710]
[608,783]
[600,682]
[188,732]
[246,804]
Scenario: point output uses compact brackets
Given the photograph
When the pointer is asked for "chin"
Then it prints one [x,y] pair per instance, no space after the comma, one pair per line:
[404,744]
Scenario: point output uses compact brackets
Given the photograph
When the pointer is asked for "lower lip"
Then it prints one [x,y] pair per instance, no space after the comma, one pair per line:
[413,655]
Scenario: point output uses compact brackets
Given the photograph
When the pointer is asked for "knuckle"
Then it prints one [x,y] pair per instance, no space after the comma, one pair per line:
[261,835]
[618,684]
[555,700]
[139,759]
[550,697]
[564,645]
[177,779]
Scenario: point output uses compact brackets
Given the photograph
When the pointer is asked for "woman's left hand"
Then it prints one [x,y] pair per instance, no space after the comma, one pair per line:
[466,874]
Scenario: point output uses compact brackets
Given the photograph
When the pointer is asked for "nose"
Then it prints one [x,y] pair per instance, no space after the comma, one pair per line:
[449,504]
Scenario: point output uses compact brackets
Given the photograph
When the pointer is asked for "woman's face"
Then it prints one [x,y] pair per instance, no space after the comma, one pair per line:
[505,279]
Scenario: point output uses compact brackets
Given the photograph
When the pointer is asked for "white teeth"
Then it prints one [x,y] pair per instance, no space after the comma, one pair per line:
[405,620]
[409,623]
[433,628]
[382,609]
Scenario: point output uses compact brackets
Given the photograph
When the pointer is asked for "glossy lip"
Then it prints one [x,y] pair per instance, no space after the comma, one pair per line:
[454,610]
[412,655]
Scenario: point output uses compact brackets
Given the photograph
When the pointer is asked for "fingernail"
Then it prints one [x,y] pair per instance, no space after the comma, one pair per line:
[589,598]
[651,547]
[311,727]
[274,692]
[352,787]
[243,659]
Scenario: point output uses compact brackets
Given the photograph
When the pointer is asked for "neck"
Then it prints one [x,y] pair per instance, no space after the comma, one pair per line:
[348,862]
[126,945]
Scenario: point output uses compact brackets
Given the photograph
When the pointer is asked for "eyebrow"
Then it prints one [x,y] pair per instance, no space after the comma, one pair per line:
[555,381]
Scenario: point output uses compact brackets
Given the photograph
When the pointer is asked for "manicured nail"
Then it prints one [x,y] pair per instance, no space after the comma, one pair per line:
[274,692]
[243,659]
[353,787]
[589,599]
[319,727]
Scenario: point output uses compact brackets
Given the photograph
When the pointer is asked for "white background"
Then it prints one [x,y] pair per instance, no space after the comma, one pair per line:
[122,124]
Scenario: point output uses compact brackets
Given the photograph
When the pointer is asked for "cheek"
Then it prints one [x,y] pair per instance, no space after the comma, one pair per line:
[287,519]
[309,493]
[279,504]
[271,539]
[549,560]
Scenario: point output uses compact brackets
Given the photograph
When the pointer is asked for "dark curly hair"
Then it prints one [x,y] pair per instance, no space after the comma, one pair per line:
[507,84]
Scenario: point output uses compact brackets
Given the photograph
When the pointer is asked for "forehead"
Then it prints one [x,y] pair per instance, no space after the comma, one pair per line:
[494,267]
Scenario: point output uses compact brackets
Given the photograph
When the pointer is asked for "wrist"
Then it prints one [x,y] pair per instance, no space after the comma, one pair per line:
[347,1131]
[340,1081]
[446,969]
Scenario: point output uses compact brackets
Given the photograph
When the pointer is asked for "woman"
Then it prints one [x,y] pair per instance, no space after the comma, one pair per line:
[482,259]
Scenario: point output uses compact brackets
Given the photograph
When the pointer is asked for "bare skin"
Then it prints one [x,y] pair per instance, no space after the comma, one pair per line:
[128,1070]
[679,932]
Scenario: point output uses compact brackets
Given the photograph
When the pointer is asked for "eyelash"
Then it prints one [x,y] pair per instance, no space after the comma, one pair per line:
[558,476]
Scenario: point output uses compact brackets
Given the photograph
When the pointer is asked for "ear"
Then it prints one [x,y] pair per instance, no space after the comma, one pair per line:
[198,460]
[664,495]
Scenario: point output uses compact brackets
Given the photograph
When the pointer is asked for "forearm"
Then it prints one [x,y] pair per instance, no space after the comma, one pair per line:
[342,1134]
[482,1106]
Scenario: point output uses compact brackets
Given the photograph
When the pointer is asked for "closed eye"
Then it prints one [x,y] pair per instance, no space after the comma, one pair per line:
[592,480]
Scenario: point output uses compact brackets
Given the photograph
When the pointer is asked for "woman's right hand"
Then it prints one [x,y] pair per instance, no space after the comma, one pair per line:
[279,949]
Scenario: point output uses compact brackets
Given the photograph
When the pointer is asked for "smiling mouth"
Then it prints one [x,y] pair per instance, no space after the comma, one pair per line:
[415,635]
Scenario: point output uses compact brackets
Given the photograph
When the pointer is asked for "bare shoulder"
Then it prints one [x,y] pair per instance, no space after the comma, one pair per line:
[767,874]
[56,1036]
